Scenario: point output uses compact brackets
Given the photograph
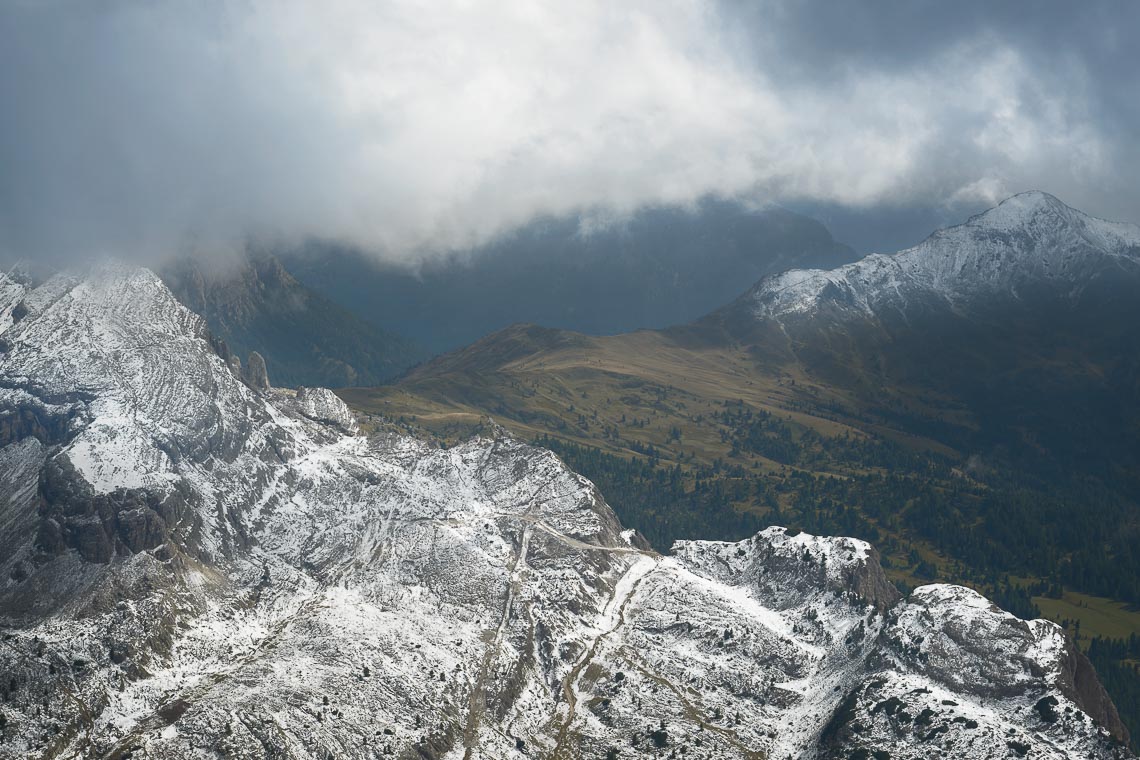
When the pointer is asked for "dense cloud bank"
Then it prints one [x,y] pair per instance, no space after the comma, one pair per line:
[160,128]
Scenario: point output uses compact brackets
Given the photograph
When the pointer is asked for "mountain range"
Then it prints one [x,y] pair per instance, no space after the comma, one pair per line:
[197,565]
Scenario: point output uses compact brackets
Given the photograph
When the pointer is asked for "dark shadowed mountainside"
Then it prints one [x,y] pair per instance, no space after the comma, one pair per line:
[664,266]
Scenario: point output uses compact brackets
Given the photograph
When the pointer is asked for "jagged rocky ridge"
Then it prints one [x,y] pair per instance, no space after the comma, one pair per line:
[1028,245]
[192,567]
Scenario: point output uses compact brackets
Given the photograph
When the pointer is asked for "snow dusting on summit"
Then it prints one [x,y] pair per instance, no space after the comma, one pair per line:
[1028,240]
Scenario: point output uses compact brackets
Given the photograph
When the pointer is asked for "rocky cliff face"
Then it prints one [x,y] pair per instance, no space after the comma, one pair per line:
[191,567]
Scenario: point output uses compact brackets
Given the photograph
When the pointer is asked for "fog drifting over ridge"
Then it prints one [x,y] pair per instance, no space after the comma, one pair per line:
[154,129]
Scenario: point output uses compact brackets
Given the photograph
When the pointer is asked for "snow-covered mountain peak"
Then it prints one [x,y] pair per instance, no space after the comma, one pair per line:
[1050,222]
[192,567]
[1022,210]
[1029,242]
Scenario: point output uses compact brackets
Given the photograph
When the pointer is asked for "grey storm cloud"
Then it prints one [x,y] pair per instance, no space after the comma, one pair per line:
[408,129]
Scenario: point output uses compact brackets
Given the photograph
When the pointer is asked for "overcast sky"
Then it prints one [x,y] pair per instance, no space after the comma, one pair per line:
[406,128]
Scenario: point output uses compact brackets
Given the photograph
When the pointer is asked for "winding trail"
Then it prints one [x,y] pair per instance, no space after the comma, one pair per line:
[613,619]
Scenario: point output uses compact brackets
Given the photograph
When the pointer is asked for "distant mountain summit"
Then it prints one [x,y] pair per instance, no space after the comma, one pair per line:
[1030,245]
[1025,314]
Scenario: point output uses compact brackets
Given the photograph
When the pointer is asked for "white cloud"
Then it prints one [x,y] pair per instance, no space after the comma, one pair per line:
[406,128]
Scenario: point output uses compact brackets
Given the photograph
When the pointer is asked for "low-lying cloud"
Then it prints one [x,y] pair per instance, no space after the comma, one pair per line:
[405,129]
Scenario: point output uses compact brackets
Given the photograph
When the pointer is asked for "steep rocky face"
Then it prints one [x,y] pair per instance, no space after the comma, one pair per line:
[255,304]
[947,661]
[255,373]
[192,568]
